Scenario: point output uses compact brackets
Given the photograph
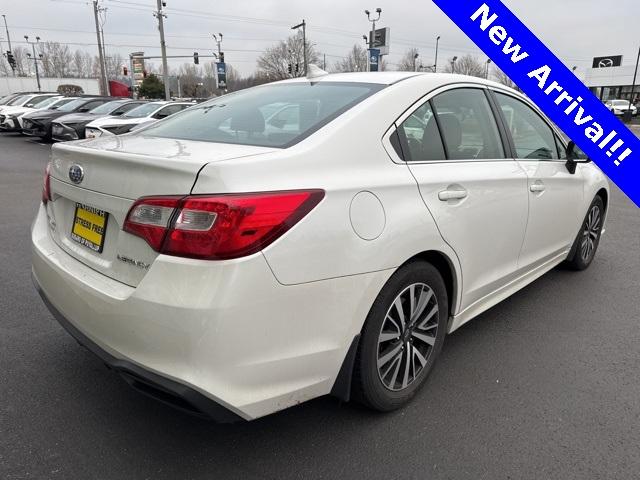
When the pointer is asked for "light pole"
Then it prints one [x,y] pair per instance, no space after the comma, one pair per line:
[160,15]
[635,76]
[435,64]
[218,42]
[304,43]
[486,69]
[415,58]
[372,38]
[9,42]
[35,57]
[453,64]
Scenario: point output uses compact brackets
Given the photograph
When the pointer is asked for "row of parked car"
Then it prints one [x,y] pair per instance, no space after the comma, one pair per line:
[56,117]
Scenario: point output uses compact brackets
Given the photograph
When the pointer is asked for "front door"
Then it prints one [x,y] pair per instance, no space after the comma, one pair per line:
[555,195]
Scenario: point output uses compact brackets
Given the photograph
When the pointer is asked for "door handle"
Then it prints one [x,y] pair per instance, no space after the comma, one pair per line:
[445,195]
[537,186]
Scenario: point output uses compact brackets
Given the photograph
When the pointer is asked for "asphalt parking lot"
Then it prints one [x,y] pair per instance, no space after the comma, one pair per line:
[544,385]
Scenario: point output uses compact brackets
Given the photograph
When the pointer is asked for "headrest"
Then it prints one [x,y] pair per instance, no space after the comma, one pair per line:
[248,120]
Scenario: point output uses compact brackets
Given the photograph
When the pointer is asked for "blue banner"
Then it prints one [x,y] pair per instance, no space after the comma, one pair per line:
[552,87]
[374,59]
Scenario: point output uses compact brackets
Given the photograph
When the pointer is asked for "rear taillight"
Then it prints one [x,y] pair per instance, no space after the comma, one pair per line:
[218,227]
[46,185]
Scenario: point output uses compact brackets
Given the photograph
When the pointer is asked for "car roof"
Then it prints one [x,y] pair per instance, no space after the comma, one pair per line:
[390,78]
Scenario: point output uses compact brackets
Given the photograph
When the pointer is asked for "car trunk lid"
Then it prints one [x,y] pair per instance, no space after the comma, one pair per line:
[94,183]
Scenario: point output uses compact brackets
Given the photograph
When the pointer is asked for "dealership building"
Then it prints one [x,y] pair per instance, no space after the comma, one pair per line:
[608,79]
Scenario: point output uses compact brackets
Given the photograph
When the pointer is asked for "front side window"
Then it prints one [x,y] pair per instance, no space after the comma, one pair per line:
[273,115]
[467,125]
[419,136]
[532,136]
[106,108]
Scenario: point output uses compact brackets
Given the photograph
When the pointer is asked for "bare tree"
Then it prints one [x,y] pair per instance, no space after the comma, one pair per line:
[408,62]
[82,64]
[274,62]
[23,63]
[56,59]
[355,61]
[502,78]
[466,65]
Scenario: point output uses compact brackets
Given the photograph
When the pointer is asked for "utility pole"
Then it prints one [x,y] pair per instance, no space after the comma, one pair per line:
[104,86]
[159,14]
[453,64]
[435,63]
[9,42]
[304,44]
[35,57]
[635,76]
[415,58]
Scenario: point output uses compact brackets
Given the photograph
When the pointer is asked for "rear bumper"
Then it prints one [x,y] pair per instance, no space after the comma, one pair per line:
[146,382]
[227,330]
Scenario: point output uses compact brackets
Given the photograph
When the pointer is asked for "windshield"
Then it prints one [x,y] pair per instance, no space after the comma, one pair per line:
[106,108]
[276,115]
[61,101]
[71,106]
[47,101]
[143,110]
[621,103]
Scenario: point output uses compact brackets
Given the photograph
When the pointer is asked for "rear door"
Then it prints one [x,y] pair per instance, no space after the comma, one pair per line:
[555,195]
[476,194]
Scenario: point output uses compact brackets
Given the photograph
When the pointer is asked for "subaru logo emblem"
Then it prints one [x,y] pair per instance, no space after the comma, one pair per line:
[76,174]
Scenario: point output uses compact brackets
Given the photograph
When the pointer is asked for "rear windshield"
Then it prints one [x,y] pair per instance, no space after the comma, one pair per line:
[278,115]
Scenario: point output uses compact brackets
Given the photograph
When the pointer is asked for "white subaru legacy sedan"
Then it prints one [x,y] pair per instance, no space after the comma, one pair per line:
[314,236]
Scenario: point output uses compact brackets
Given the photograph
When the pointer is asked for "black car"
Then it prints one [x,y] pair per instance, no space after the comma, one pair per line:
[71,126]
[38,123]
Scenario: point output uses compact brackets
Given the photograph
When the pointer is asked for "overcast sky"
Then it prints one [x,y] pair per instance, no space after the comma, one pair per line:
[576,30]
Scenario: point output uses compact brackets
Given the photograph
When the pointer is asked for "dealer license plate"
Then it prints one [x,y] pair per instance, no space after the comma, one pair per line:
[89,226]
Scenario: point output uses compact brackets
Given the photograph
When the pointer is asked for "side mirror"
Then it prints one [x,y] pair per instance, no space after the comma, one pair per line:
[160,116]
[116,114]
[574,157]
[83,110]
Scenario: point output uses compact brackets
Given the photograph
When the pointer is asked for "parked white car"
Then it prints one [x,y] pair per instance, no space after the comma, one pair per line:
[619,107]
[11,118]
[29,100]
[234,270]
[143,115]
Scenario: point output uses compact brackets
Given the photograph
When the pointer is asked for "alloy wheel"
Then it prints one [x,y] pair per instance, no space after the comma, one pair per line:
[407,336]
[590,233]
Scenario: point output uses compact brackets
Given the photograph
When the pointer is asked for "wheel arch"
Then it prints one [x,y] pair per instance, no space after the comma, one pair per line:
[604,195]
[446,268]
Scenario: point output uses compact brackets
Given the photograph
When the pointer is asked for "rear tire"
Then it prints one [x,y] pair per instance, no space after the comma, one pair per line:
[588,239]
[402,337]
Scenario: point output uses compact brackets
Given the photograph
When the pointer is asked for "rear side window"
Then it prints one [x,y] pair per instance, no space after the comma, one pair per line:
[467,125]
[125,108]
[420,137]
[276,115]
[532,136]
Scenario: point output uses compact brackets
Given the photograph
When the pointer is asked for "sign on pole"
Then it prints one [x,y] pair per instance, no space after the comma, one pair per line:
[221,70]
[374,59]
[380,40]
